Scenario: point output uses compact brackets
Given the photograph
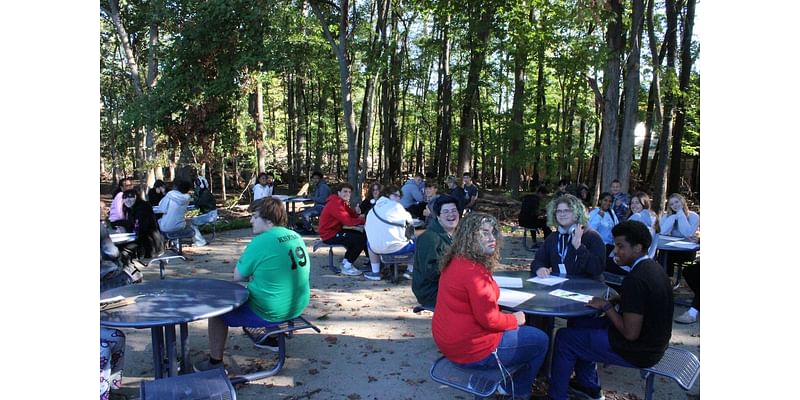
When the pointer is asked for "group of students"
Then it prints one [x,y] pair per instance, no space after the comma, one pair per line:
[453,263]
[470,330]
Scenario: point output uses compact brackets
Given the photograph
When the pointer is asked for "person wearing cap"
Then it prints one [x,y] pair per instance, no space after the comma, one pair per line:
[203,200]
[431,246]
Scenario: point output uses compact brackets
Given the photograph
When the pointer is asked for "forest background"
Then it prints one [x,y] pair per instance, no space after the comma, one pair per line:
[517,93]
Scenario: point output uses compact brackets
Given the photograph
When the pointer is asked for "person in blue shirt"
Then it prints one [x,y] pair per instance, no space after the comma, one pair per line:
[603,219]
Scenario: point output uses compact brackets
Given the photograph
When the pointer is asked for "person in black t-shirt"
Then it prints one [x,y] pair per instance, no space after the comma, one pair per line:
[636,335]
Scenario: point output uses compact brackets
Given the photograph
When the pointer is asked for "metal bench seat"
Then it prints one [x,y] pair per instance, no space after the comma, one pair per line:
[319,243]
[680,365]
[481,383]
[259,336]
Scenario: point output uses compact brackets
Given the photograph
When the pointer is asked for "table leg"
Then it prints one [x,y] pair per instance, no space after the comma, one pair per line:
[546,325]
[158,351]
[172,364]
[186,365]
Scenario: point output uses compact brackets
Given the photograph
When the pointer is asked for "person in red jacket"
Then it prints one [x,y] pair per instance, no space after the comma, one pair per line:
[340,224]
[468,327]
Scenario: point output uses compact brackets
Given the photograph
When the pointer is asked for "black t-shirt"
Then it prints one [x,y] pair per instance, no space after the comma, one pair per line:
[646,291]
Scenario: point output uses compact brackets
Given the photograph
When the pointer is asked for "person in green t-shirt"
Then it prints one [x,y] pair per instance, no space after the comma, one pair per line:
[277,265]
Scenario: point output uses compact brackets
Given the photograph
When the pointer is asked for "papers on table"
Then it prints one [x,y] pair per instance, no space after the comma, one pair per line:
[549,281]
[565,294]
[508,282]
[682,244]
[112,299]
[669,238]
[513,298]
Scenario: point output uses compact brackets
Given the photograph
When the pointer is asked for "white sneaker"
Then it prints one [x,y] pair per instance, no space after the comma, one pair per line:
[407,275]
[200,244]
[350,270]
[686,318]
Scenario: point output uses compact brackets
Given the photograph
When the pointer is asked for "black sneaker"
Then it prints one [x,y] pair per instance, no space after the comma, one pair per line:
[577,391]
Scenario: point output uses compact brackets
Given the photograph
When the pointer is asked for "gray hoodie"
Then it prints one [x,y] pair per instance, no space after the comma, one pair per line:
[411,194]
[173,205]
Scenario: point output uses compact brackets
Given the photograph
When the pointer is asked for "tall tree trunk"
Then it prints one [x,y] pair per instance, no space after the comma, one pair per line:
[302,123]
[654,96]
[340,49]
[257,111]
[541,105]
[680,111]
[670,39]
[478,38]
[516,130]
[580,175]
[291,124]
[445,110]
[631,97]
[609,143]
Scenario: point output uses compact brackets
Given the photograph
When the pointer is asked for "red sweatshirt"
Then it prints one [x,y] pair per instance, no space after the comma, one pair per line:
[467,324]
[335,214]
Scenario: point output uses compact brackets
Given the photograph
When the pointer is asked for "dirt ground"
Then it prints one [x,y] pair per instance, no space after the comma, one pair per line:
[372,346]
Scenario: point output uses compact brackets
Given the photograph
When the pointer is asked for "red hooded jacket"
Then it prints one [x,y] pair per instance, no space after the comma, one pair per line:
[336,214]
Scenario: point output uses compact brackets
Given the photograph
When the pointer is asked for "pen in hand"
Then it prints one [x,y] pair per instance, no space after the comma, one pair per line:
[607,289]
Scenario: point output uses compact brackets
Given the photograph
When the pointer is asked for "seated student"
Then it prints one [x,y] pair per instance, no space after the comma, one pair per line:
[576,250]
[621,200]
[116,216]
[431,193]
[203,200]
[111,271]
[340,224]
[602,219]
[636,335]
[320,192]
[531,215]
[640,210]
[562,187]
[584,196]
[156,193]
[174,206]
[386,231]
[413,200]
[264,187]
[470,193]
[370,200]
[278,266]
[468,326]
[678,221]
[431,246]
[141,221]
[457,192]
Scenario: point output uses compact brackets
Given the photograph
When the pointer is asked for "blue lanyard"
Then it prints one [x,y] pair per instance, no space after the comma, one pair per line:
[562,248]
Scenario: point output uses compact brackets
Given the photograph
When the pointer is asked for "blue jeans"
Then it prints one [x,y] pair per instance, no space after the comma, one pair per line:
[525,345]
[310,212]
[579,348]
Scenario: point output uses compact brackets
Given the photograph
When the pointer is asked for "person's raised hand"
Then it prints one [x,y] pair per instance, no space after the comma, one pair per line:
[597,303]
[576,236]
[543,272]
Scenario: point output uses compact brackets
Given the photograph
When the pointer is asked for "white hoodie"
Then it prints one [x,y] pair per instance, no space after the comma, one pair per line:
[173,205]
[386,238]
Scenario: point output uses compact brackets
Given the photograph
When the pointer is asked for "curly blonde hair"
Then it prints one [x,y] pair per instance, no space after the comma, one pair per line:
[574,203]
[466,242]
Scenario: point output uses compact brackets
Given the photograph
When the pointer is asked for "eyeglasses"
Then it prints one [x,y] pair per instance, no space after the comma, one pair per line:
[563,211]
[450,211]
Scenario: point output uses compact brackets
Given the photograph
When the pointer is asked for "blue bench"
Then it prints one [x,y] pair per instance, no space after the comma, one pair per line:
[480,383]
[394,260]
[259,336]
[212,384]
[319,243]
[173,239]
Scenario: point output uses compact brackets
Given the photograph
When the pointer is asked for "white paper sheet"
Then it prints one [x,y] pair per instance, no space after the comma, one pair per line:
[549,281]
[683,244]
[565,294]
[508,281]
[112,299]
[513,298]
